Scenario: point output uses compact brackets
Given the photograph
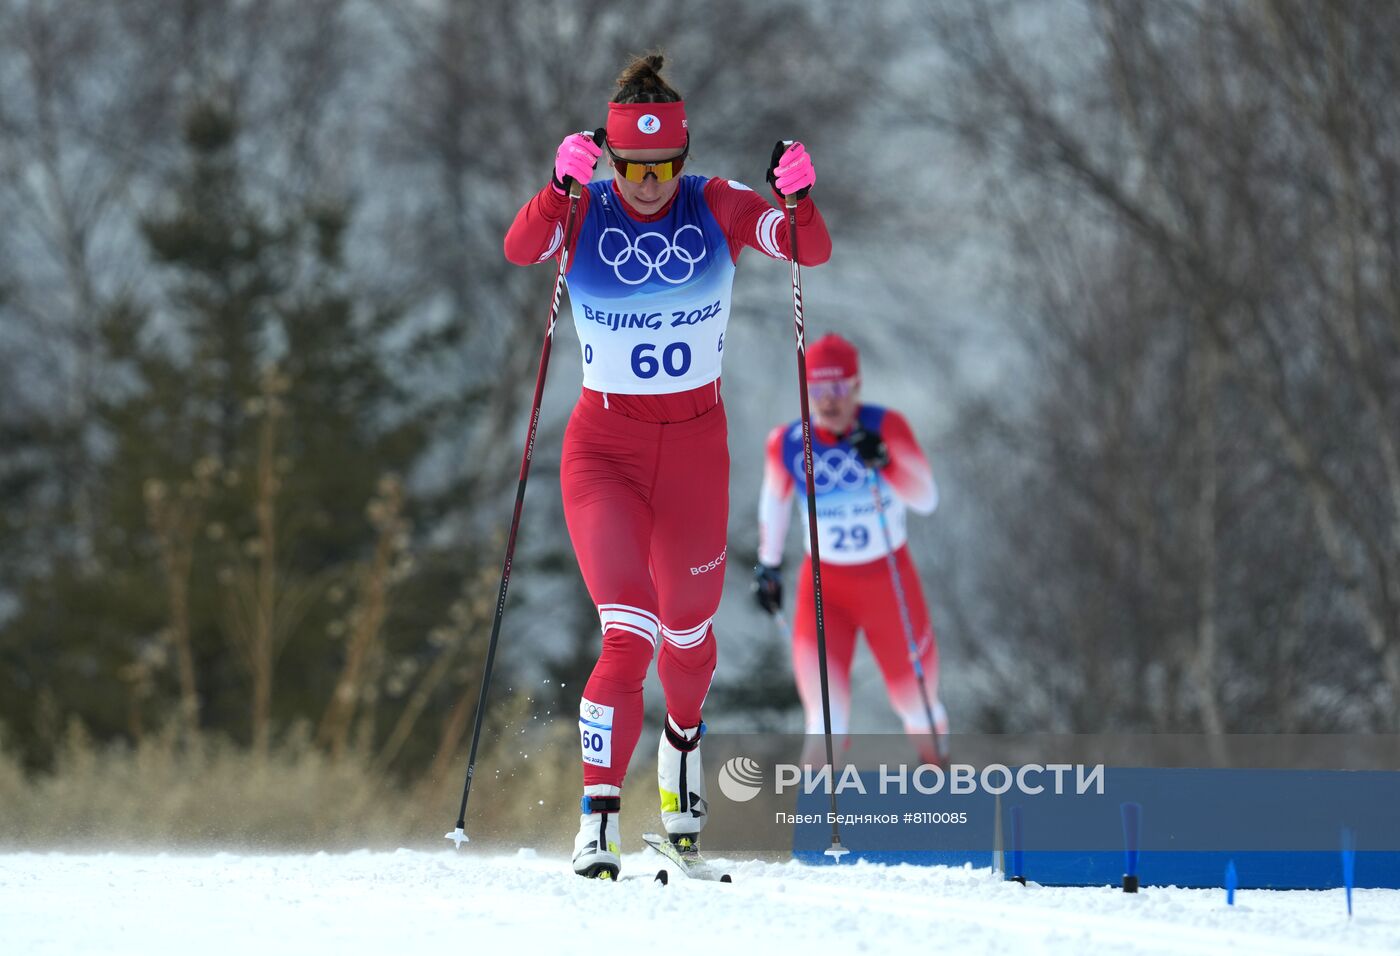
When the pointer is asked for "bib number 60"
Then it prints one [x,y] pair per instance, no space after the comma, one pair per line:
[674,360]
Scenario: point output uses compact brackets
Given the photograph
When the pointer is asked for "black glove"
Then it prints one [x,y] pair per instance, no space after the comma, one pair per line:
[870,447]
[768,587]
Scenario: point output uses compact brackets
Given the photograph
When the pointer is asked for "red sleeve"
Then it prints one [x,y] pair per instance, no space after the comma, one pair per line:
[749,220]
[538,230]
[908,472]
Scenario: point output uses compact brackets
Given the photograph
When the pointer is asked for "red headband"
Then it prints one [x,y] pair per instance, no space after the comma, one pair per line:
[647,126]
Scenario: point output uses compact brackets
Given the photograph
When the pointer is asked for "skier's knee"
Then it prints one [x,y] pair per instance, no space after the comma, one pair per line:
[689,639]
[692,650]
[625,658]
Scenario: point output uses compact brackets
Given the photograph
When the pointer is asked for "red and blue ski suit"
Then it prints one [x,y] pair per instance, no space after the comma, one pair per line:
[645,466]
[858,594]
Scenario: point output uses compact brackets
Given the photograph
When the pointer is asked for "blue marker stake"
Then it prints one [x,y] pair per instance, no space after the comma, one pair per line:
[1018,873]
[1132,829]
[1232,880]
[1348,863]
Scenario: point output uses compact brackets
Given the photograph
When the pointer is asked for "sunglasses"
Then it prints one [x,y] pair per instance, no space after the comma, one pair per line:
[841,388]
[635,171]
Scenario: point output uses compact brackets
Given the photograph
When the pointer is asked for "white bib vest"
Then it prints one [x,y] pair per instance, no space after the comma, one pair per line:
[848,523]
[651,299]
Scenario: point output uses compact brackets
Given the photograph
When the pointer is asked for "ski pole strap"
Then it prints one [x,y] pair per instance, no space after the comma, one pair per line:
[601,804]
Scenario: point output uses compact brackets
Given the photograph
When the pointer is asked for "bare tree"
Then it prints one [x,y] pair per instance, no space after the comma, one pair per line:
[1242,154]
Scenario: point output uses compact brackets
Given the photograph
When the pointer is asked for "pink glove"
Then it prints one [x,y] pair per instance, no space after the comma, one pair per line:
[574,161]
[791,170]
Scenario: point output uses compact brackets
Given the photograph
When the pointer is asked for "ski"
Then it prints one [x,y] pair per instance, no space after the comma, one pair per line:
[608,876]
[687,859]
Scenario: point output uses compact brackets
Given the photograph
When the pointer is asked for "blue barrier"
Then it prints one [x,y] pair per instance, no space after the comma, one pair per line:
[1279,827]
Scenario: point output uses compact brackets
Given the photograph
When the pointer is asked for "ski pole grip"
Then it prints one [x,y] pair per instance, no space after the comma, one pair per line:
[600,136]
[790,201]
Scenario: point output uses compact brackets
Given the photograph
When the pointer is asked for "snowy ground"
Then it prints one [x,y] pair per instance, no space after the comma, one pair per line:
[420,902]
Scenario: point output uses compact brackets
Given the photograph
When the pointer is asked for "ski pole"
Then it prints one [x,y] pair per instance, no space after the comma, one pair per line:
[459,836]
[905,619]
[836,850]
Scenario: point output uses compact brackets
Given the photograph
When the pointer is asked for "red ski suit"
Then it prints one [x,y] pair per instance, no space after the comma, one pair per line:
[645,467]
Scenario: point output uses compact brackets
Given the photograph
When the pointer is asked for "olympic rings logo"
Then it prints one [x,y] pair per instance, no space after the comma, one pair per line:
[833,470]
[593,710]
[652,253]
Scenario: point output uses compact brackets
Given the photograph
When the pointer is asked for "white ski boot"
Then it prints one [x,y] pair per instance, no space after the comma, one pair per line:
[681,780]
[597,853]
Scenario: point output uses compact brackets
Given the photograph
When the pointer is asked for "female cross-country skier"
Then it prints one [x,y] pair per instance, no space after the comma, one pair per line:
[858,589]
[645,465]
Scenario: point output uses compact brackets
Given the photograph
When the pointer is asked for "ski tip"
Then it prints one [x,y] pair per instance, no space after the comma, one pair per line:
[662,877]
[457,836]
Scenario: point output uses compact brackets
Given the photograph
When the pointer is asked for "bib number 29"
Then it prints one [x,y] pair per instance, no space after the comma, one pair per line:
[674,360]
[851,539]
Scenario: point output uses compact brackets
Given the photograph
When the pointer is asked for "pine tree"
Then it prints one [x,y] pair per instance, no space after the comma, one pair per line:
[254,414]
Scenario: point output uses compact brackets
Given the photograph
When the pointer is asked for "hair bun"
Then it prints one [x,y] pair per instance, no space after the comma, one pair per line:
[641,81]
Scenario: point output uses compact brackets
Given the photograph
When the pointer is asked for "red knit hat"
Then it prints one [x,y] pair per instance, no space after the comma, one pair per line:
[832,357]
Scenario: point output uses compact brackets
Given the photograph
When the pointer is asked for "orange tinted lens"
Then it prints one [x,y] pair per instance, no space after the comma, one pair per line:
[637,172]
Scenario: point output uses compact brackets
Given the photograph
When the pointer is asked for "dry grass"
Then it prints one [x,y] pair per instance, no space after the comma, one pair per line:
[173,792]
